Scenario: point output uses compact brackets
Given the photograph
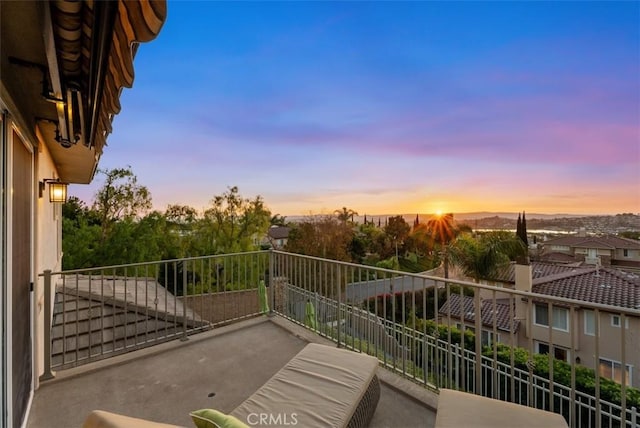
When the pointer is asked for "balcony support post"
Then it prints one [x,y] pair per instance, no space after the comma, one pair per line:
[48,374]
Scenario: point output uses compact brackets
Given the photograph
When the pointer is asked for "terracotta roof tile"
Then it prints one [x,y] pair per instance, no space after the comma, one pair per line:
[538,270]
[279,232]
[605,286]
[459,305]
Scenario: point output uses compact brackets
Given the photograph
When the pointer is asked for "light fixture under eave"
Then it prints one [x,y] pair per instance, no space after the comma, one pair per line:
[57,190]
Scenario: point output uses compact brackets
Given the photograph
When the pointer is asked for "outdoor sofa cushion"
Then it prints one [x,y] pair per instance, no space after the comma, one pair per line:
[103,419]
[322,386]
[461,409]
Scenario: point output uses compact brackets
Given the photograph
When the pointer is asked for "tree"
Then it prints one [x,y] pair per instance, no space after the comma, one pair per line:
[523,229]
[278,220]
[325,237]
[76,210]
[120,197]
[233,223]
[345,214]
[80,242]
[397,231]
[182,216]
[485,256]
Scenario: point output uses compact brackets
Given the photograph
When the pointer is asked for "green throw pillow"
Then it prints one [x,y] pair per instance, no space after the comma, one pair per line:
[210,418]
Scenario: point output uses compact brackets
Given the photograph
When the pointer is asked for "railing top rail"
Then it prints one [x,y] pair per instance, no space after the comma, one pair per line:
[98,268]
[449,281]
[515,293]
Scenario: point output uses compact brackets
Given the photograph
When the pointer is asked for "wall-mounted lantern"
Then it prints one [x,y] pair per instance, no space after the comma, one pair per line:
[57,190]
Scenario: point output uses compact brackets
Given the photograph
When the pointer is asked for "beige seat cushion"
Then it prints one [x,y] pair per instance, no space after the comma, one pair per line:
[102,419]
[320,387]
[460,409]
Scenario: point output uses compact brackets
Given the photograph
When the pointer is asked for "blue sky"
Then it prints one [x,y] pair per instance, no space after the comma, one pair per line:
[388,107]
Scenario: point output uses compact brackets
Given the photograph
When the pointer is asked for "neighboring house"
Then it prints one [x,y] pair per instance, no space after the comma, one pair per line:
[460,308]
[606,286]
[590,284]
[277,237]
[602,250]
[62,69]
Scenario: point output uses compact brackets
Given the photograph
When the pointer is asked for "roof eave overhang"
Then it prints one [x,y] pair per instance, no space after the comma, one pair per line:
[95,43]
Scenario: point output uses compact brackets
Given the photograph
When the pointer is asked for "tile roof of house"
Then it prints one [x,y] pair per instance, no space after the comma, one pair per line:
[538,270]
[604,285]
[556,257]
[279,232]
[606,242]
[457,305]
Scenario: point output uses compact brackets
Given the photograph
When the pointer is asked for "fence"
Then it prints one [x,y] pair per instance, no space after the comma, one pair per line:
[439,360]
[101,312]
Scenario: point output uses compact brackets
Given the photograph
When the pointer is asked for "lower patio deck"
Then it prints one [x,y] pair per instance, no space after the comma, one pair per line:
[216,369]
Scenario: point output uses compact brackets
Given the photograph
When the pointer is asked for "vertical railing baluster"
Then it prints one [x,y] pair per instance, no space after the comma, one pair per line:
[77,322]
[512,343]
[338,295]
[478,341]
[494,346]
[623,367]
[146,303]
[185,267]
[156,276]
[136,305]
[126,310]
[552,352]
[272,281]
[573,337]
[113,312]
[529,317]
[102,315]
[437,372]
[598,415]
[89,318]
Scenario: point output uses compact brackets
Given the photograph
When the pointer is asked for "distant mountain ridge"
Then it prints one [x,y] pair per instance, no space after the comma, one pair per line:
[594,224]
[478,215]
[484,214]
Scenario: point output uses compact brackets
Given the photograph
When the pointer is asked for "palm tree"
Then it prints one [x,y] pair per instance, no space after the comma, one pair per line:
[278,220]
[345,214]
[444,233]
[486,256]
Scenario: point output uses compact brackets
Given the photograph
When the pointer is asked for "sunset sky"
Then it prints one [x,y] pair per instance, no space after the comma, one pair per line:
[388,107]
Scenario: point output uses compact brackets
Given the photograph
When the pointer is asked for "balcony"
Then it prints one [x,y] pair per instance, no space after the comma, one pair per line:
[158,340]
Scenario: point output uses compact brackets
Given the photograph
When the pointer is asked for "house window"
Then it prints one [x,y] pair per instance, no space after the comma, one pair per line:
[616,322]
[558,352]
[613,370]
[560,317]
[625,253]
[488,338]
[589,323]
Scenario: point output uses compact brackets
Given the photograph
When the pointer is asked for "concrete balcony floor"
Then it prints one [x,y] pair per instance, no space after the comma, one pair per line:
[165,382]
